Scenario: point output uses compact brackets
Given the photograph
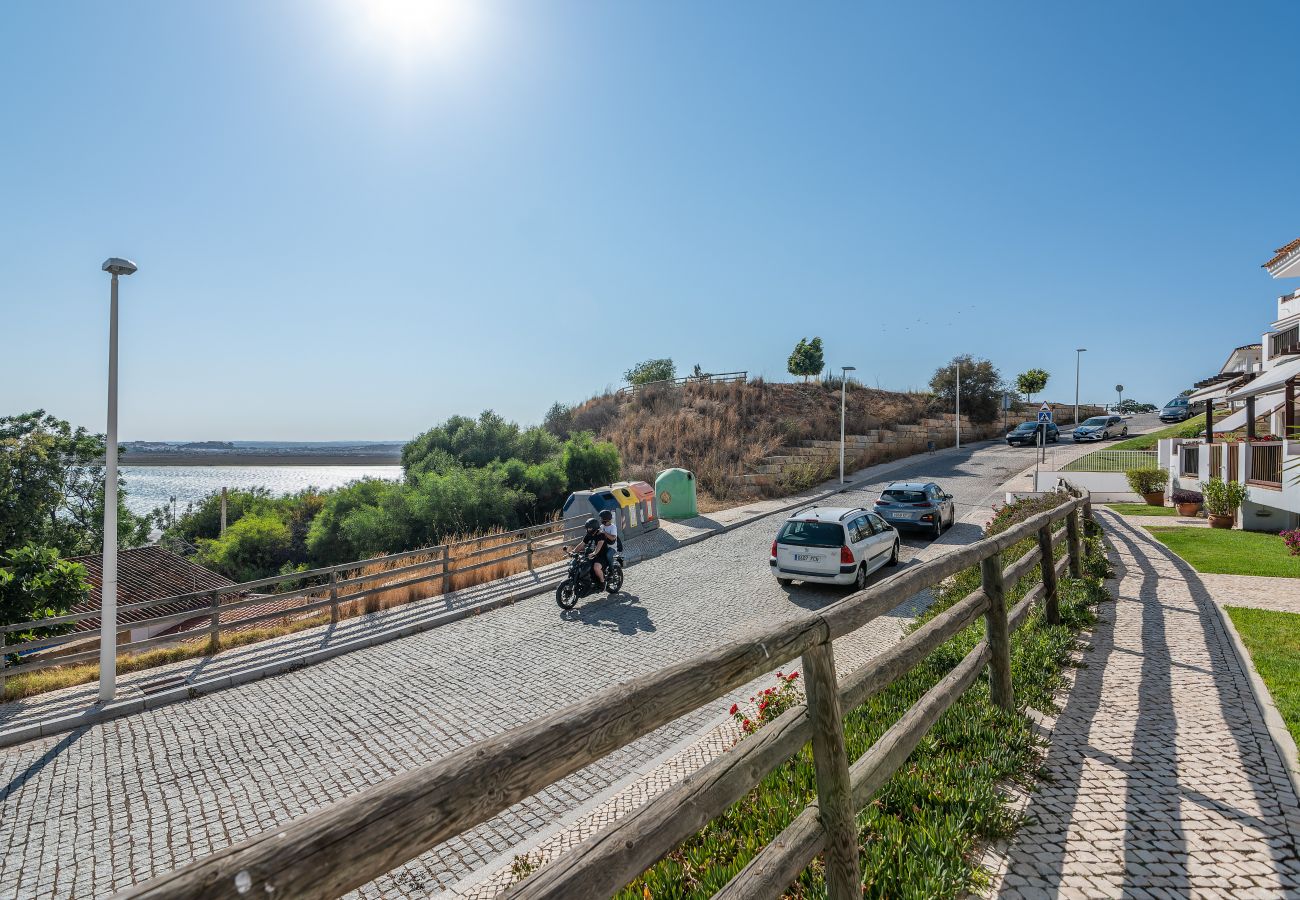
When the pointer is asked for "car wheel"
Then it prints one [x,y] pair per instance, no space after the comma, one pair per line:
[1124,433]
[937,531]
[893,555]
[860,582]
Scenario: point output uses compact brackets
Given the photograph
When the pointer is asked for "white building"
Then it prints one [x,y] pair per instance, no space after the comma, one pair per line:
[1251,434]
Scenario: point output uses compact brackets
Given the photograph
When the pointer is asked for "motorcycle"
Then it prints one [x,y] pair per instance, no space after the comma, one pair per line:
[580,582]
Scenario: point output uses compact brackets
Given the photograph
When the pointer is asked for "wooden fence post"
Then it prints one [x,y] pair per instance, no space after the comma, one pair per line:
[214,629]
[1075,542]
[1051,608]
[530,552]
[446,570]
[834,790]
[999,636]
[334,598]
[4,635]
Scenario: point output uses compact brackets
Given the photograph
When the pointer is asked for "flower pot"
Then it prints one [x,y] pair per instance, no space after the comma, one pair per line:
[1221,521]
[1155,499]
[1189,510]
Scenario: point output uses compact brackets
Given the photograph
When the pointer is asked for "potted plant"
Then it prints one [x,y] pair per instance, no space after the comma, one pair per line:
[1150,483]
[1222,499]
[1188,502]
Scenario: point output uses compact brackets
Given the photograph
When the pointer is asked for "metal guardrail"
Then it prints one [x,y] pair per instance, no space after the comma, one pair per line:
[328,852]
[720,378]
[325,588]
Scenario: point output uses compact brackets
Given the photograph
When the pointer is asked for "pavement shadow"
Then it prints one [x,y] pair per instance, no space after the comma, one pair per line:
[1155,852]
[621,612]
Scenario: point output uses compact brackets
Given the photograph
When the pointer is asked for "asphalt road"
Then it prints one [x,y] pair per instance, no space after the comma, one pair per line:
[113,804]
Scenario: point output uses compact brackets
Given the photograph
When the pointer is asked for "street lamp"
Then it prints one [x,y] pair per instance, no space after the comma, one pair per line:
[1078,355]
[958,416]
[108,592]
[844,390]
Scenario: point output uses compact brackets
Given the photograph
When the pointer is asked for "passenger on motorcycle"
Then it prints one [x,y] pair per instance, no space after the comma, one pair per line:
[592,547]
[610,532]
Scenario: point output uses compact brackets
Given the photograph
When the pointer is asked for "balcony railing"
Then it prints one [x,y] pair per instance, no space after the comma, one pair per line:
[1266,464]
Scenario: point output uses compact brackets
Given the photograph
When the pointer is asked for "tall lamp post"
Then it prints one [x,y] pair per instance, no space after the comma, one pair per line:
[958,416]
[108,593]
[1078,355]
[844,391]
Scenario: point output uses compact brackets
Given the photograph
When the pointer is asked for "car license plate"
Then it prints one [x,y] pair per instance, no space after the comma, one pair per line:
[903,515]
[807,557]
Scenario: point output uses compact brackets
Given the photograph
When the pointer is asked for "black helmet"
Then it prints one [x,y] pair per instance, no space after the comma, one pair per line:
[592,524]
[606,515]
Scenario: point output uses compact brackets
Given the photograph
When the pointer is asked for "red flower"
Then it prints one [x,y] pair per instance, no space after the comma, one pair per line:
[762,706]
[745,724]
[734,708]
[793,676]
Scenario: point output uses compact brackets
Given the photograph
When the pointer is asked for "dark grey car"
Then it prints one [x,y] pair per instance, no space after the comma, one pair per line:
[917,506]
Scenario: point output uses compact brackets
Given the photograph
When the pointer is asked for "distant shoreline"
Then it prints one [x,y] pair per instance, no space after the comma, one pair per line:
[236,458]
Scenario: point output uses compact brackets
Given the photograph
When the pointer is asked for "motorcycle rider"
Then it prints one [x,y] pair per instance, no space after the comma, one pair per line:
[592,547]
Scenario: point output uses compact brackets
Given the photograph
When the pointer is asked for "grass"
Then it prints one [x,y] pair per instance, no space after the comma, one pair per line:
[922,833]
[1273,639]
[1214,551]
[1190,428]
[1142,509]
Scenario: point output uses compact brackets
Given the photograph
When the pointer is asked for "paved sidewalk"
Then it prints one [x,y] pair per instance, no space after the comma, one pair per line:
[1161,779]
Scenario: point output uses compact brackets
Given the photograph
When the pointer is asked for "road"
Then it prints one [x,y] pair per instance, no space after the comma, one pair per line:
[114,804]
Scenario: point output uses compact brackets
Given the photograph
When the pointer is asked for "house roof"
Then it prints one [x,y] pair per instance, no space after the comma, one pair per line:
[147,573]
[1282,253]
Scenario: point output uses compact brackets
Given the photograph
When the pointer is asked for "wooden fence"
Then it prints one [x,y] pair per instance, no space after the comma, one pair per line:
[325,588]
[328,852]
[720,378]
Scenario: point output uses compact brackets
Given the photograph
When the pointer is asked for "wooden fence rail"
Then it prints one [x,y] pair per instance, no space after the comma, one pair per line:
[325,588]
[719,378]
[328,852]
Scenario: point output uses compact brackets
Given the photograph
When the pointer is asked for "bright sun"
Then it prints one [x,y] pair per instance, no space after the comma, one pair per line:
[417,29]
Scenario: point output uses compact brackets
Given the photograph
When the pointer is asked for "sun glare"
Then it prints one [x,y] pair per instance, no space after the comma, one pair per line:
[416,29]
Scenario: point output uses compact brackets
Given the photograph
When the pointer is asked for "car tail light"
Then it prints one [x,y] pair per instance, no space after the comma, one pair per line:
[927,518]
[882,503]
[846,556]
[774,548]
[923,505]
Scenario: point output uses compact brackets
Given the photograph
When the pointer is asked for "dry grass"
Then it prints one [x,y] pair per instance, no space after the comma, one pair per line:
[486,547]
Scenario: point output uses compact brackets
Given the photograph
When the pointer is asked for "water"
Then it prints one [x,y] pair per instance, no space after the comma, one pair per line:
[148,487]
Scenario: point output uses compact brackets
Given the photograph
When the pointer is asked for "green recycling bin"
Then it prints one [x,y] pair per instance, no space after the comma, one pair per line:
[675,489]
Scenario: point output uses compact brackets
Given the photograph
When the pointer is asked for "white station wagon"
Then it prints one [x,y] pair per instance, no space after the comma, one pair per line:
[833,545]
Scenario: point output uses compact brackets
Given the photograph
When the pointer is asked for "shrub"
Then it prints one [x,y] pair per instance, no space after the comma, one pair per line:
[1222,498]
[768,703]
[588,463]
[1182,495]
[256,545]
[651,370]
[1147,481]
[36,583]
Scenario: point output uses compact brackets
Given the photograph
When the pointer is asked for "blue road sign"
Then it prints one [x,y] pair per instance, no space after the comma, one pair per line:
[1045,413]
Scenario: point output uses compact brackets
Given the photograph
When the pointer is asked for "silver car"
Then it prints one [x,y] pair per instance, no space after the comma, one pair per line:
[1100,428]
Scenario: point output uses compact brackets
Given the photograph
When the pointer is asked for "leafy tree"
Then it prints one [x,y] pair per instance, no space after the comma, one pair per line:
[651,370]
[328,539]
[254,547]
[52,487]
[807,359]
[1187,393]
[36,583]
[472,442]
[588,463]
[203,518]
[559,420]
[981,387]
[1031,382]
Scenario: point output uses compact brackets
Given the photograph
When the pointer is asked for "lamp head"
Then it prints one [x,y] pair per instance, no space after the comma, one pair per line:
[1081,350]
[115,266]
[849,368]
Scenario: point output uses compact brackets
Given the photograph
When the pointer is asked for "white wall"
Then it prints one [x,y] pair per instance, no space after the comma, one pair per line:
[1106,487]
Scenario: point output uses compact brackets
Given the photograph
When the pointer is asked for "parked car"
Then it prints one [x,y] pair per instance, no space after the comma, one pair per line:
[1027,433]
[1180,409]
[917,506]
[1100,428]
[833,545]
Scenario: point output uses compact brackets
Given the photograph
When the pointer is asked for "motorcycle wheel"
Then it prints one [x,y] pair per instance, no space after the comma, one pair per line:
[566,595]
[614,580]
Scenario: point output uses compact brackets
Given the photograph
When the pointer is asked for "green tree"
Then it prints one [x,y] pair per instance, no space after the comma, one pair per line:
[1031,382]
[52,487]
[559,420]
[329,539]
[651,370]
[981,387]
[807,360]
[464,441]
[202,519]
[588,463]
[254,547]
[36,583]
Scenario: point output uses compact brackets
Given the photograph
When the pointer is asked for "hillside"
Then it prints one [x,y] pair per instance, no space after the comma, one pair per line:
[724,431]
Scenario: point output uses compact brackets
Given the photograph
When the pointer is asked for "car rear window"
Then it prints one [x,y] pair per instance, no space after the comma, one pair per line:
[898,495]
[812,534]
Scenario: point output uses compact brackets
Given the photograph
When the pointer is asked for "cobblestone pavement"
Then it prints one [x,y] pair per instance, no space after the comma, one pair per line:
[1161,779]
[113,804]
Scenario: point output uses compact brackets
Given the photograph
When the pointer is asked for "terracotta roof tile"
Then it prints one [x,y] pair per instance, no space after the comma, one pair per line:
[1282,253]
[147,573]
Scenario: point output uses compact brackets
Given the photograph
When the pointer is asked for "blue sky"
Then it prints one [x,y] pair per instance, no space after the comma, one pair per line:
[351,227]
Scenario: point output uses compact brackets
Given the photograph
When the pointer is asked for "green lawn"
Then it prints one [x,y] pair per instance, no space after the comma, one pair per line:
[1273,639]
[1190,428]
[1222,552]
[1142,509]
